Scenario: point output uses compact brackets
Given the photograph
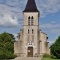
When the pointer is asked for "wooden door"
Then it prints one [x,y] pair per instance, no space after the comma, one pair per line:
[30,51]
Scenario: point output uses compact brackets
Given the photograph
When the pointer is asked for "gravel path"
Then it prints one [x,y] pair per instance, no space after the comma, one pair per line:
[27,58]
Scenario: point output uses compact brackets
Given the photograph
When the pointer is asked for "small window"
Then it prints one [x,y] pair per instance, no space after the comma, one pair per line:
[32,17]
[32,31]
[28,31]
[29,17]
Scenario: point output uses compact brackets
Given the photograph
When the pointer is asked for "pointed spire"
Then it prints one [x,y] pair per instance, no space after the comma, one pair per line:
[31,6]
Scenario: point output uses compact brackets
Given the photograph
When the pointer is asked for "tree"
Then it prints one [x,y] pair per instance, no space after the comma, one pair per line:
[55,48]
[6,45]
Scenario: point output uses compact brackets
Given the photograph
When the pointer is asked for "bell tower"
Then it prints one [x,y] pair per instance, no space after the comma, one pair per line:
[31,26]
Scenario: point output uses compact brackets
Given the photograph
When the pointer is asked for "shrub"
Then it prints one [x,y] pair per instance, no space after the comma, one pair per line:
[52,56]
[55,48]
[6,46]
[4,54]
[46,55]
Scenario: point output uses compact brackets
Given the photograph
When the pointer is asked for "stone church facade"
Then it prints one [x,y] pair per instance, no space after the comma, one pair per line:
[31,40]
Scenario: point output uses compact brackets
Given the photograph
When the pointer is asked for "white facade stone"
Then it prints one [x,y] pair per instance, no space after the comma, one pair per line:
[37,39]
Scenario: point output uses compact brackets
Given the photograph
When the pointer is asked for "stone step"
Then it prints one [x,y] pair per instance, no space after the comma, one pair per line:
[27,58]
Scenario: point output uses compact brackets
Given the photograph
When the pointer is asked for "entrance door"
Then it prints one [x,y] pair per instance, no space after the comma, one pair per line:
[30,51]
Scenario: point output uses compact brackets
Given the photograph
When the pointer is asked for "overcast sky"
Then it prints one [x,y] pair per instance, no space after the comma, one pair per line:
[11,16]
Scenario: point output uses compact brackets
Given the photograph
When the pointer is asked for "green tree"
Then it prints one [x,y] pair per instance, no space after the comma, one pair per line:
[55,48]
[6,45]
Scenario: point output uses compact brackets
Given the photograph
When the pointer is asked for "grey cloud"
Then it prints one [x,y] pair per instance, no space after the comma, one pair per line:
[51,42]
[48,6]
[9,16]
[15,7]
[51,27]
[8,21]
[56,31]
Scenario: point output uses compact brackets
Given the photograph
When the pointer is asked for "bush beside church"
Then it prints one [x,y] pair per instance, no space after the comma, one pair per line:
[6,46]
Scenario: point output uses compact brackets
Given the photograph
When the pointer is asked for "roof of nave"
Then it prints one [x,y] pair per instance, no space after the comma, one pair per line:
[42,32]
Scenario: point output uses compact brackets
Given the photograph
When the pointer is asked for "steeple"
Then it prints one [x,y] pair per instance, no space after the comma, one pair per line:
[31,6]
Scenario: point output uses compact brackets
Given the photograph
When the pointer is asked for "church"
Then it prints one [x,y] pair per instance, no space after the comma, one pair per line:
[31,41]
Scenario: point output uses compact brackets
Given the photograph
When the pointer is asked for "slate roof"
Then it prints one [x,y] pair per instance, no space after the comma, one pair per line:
[31,6]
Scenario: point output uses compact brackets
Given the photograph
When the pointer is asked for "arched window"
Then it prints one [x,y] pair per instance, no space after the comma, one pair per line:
[29,20]
[28,31]
[29,17]
[32,20]
[32,31]
[32,17]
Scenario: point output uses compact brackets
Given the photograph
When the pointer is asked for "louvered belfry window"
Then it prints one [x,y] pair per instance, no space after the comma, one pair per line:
[29,20]
[32,20]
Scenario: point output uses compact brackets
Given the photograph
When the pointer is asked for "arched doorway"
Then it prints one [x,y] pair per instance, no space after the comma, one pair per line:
[30,52]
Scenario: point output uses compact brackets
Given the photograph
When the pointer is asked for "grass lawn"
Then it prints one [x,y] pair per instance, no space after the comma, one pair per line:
[49,59]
